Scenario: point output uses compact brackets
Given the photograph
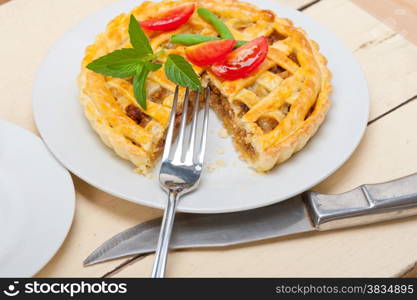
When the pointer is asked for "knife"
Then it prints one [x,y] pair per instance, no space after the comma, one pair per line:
[310,211]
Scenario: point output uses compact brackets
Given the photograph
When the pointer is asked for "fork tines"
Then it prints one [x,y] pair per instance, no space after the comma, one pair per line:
[186,151]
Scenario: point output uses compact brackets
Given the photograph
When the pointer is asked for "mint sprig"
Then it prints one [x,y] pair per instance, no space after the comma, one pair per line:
[139,61]
[136,62]
[152,67]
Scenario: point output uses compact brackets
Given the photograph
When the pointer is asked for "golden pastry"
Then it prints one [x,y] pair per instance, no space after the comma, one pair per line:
[270,114]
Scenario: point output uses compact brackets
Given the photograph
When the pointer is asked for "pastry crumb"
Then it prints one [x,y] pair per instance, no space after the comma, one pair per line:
[220,151]
[223,133]
[220,163]
[211,167]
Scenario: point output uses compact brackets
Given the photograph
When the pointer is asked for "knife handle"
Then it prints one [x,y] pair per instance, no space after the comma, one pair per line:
[366,204]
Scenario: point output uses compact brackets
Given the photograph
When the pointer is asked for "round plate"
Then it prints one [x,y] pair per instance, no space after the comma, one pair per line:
[37,202]
[233,187]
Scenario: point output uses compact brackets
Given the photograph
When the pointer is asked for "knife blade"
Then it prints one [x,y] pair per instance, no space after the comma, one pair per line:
[310,211]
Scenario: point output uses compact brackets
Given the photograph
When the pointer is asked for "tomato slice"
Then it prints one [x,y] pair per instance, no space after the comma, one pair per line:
[209,52]
[171,19]
[243,61]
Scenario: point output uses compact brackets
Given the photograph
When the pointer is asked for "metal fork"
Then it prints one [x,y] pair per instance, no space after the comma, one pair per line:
[180,174]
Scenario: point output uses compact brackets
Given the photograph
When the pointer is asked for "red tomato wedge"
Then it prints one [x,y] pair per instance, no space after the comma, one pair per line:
[170,20]
[209,52]
[243,61]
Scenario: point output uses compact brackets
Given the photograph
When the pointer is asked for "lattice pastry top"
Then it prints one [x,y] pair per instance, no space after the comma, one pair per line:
[270,114]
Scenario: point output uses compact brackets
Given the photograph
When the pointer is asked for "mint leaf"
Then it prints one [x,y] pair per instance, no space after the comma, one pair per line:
[138,38]
[152,66]
[123,70]
[139,68]
[139,86]
[120,63]
[180,71]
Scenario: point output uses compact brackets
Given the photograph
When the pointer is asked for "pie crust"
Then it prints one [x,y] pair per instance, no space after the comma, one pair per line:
[270,115]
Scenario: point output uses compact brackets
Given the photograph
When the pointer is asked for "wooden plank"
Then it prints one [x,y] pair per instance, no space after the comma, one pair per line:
[297,4]
[39,24]
[391,70]
[400,15]
[410,273]
[388,60]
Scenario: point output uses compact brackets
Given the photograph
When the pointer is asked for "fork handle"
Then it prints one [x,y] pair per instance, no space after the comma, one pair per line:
[165,236]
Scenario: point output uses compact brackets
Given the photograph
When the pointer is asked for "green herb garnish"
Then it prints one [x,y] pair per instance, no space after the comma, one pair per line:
[240,43]
[139,86]
[139,61]
[220,27]
[138,38]
[194,39]
[120,63]
[179,71]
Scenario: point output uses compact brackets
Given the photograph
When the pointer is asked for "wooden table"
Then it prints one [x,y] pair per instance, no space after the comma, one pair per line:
[388,150]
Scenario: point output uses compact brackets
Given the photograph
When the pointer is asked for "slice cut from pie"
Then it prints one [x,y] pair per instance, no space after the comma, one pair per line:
[270,114]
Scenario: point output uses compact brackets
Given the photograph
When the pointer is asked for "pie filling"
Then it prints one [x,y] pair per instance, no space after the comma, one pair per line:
[220,104]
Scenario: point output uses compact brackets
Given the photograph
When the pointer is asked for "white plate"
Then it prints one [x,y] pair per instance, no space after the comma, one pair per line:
[66,131]
[37,202]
